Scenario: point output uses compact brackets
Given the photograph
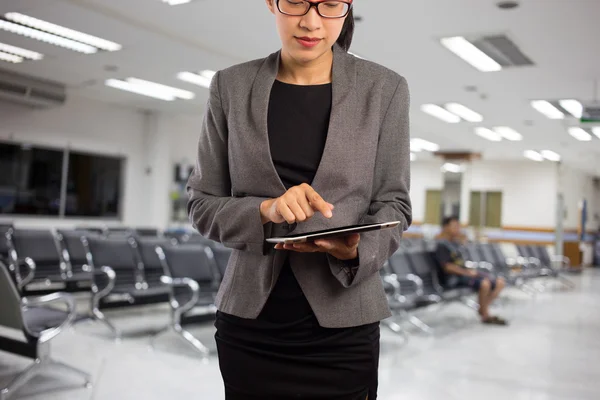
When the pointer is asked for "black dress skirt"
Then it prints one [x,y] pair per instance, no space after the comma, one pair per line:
[285,353]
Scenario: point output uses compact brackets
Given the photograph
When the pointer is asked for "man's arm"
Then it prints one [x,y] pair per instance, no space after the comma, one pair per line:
[454,269]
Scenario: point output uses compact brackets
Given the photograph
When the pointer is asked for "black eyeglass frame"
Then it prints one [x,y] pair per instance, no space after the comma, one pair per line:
[315,4]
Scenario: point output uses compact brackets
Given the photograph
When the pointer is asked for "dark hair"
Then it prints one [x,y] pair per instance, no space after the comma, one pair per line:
[345,39]
[448,220]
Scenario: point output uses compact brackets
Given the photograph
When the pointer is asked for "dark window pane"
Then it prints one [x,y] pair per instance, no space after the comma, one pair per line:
[30,180]
[93,185]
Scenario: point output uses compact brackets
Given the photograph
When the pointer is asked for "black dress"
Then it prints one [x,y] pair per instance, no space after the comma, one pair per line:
[285,353]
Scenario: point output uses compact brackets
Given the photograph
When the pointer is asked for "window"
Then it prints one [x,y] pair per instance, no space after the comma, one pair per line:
[30,180]
[93,185]
[486,209]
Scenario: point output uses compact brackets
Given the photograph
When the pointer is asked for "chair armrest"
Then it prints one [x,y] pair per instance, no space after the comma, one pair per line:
[415,280]
[183,282]
[60,297]
[488,266]
[111,276]
[30,274]
[561,259]
[392,280]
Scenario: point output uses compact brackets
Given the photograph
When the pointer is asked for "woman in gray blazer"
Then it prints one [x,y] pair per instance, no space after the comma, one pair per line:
[305,139]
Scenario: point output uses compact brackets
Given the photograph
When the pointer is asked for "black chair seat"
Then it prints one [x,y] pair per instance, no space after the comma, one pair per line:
[38,319]
[142,293]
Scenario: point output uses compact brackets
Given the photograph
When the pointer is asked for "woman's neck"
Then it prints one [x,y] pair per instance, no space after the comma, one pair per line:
[315,72]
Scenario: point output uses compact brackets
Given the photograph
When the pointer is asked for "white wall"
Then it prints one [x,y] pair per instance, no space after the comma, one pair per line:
[150,143]
[576,186]
[425,175]
[528,190]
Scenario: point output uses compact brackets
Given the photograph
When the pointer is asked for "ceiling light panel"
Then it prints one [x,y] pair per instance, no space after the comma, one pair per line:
[168,90]
[546,108]
[550,155]
[176,2]
[471,54]
[11,58]
[574,107]
[203,78]
[18,51]
[138,89]
[47,37]
[62,31]
[508,133]
[580,134]
[440,113]
[464,112]
[418,145]
[488,134]
[533,155]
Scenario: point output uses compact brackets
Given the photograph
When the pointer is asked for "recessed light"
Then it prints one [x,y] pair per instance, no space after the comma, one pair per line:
[533,155]
[63,32]
[546,108]
[178,93]
[417,145]
[18,51]
[596,131]
[137,89]
[574,107]
[176,2]
[203,78]
[550,155]
[11,58]
[464,112]
[450,167]
[471,54]
[488,134]
[580,134]
[440,113]
[508,133]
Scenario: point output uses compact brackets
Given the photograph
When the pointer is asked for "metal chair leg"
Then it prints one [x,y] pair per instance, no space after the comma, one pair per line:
[70,369]
[192,340]
[420,324]
[99,316]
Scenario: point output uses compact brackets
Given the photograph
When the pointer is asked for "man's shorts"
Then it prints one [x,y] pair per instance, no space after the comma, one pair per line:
[469,281]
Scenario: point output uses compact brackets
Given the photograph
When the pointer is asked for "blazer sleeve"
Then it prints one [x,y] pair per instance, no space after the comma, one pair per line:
[390,199]
[213,211]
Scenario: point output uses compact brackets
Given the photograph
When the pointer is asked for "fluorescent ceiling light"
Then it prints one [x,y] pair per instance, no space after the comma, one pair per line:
[18,51]
[580,134]
[47,37]
[508,133]
[550,155]
[413,156]
[450,167]
[440,113]
[464,112]
[63,32]
[201,79]
[471,54]
[488,134]
[421,144]
[168,90]
[596,131]
[572,106]
[176,2]
[139,89]
[546,108]
[10,58]
[534,155]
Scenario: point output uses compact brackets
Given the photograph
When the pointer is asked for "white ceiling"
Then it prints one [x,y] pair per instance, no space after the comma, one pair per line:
[560,36]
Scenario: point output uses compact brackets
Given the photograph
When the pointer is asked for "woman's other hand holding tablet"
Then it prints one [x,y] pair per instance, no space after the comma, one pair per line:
[298,204]
[342,248]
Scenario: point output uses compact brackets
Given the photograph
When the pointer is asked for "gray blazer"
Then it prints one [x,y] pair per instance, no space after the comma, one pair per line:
[364,172]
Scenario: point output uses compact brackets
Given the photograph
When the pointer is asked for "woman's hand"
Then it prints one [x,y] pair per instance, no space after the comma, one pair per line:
[298,204]
[343,248]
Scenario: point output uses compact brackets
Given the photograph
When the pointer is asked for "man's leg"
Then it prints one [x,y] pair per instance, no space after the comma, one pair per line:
[500,284]
[485,289]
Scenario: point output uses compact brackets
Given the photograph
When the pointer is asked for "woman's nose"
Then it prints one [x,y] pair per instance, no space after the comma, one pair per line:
[312,20]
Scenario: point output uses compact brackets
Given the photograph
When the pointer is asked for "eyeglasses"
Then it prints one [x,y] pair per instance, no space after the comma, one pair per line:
[326,9]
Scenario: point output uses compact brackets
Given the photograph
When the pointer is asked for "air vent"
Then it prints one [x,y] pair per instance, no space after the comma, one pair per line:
[502,50]
[29,91]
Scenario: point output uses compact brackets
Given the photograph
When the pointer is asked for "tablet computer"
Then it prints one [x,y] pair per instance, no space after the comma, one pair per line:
[335,232]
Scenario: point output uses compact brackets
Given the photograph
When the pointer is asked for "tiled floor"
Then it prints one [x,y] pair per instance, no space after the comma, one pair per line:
[550,352]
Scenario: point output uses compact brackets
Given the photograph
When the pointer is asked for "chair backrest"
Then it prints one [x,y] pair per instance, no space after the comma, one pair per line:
[147,232]
[499,255]
[147,250]
[541,253]
[10,301]
[196,238]
[39,245]
[487,253]
[3,243]
[423,265]
[190,261]
[399,264]
[117,253]
[71,242]
[473,252]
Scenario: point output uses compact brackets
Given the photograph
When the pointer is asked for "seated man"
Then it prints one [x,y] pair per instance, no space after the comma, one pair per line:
[457,275]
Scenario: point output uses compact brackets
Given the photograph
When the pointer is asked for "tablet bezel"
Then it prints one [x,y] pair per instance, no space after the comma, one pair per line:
[333,232]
